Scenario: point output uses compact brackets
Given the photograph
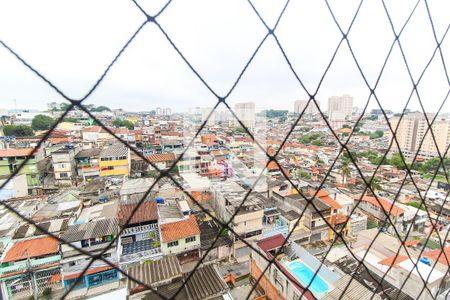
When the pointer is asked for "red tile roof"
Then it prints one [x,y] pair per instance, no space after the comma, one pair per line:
[161,157]
[32,248]
[412,243]
[443,255]
[147,211]
[325,197]
[393,260]
[396,211]
[15,152]
[92,129]
[271,243]
[178,230]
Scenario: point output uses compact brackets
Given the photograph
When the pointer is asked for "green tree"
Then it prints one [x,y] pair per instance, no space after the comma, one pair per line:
[123,123]
[397,161]
[377,134]
[416,205]
[63,106]
[345,171]
[42,122]
[101,108]
[375,184]
[17,130]
[70,120]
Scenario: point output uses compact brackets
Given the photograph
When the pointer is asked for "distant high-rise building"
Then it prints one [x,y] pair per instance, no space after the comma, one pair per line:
[340,107]
[205,111]
[300,105]
[245,112]
[166,111]
[411,131]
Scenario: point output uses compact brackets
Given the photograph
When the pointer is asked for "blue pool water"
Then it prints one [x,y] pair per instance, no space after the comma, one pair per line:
[304,274]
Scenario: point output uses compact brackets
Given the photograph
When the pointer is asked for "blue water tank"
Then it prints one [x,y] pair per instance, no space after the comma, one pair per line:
[102,199]
[159,200]
[425,260]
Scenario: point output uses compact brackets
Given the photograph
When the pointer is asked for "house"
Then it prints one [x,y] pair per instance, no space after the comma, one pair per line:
[93,236]
[95,134]
[162,160]
[133,190]
[181,238]
[64,168]
[88,163]
[27,263]
[248,220]
[11,159]
[16,187]
[165,278]
[115,160]
[378,208]
[140,240]
[282,279]
[384,256]
[190,162]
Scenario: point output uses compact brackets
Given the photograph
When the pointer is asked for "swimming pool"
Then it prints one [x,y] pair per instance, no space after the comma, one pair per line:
[304,274]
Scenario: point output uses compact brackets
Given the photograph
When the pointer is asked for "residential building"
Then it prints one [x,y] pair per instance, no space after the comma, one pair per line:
[140,239]
[379,208]
[299,106]
[88,163]
[167,278]
[115,160]
[190,162]
[181,238]
[413,132]
[94,237]
[283,280]
[161,160]
[245,112]
[11,159]
[16,187]
[95,134]
[399,268]
[248,219]
[29,266]
[340,107]
[64,168]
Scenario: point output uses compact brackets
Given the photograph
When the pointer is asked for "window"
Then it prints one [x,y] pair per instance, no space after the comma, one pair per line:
[110,168]
[172,244]
[63,175]
[190,239]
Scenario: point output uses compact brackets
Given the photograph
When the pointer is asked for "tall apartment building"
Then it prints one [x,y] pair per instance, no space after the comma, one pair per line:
[340,107]
[300,105]
[411,131]
[245,112]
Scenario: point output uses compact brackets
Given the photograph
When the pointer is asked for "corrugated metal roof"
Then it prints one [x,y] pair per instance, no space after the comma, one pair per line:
[205,283]
[155,273]
[93,229]
[114,151]
[356,291]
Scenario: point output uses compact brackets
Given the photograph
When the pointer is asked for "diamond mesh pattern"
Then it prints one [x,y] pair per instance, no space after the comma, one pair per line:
[345,41]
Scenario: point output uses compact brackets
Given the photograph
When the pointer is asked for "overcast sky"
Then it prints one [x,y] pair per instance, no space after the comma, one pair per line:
[72,42]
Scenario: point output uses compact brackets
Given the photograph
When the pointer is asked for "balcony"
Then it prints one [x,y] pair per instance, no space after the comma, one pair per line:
[154,253]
